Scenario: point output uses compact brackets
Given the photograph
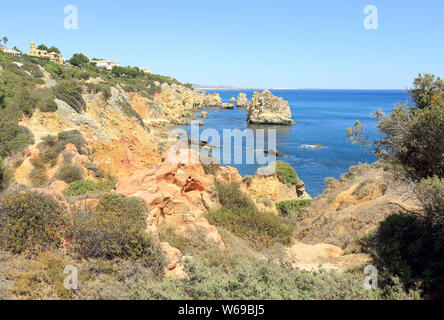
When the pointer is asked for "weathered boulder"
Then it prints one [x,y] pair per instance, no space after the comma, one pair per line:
[227,106]
[353,207]
[322,256]
[242,100]
[213,100]
[228,174]
[266,108]
[204,115]
[174,268]
[270,187]
[178,193]
[233,100]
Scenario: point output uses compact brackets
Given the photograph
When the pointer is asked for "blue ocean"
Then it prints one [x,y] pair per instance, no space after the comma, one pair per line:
[322,117]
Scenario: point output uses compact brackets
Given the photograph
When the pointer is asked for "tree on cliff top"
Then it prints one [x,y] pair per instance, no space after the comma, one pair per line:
[79,60]
[409,245]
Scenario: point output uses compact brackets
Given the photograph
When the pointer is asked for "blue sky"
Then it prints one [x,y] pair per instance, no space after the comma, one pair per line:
[275,44]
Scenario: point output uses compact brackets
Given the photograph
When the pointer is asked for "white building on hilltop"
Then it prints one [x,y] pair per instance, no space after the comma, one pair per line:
[106,64]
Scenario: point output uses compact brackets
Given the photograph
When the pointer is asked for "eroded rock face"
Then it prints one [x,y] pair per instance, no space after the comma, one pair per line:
[178,193]
[213,100]
[227,106]
[270,187]
[322,256]
[353,207]
[242,100]
[266,108]
[177,103]
[174,268]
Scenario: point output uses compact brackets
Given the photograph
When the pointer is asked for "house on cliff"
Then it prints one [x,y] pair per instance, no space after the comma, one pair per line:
[52,56]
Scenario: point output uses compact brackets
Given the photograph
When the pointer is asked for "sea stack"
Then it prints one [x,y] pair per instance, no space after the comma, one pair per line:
[213,100]
[242,100]
[266,108]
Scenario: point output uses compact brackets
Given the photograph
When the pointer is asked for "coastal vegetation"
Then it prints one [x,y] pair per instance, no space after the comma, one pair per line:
[240,215]
[292,208]
[408,244]
[72,212]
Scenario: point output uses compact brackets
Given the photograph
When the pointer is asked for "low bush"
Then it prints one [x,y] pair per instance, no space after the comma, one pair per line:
[240,215]
[83,187]
[286,173]
[30,221]
[49,106]
[169,234]
[98,173]
[69,173]
[71,92]
[404,246]
[292,208]
[40,277]
[115,229]
[39,177]
[13,137]
[72,136]
[263,280]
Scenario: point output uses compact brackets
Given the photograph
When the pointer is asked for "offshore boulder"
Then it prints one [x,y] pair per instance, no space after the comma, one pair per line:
[266,108]
[242,100]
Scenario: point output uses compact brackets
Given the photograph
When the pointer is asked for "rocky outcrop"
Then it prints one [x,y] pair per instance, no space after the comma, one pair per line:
[265,108]
[322,256]
[233,100]
[242,100]
[204,115]
[174,267]
[353,206]
[178,193]
[227,106]
[177,104]
[270,187]
[213,100]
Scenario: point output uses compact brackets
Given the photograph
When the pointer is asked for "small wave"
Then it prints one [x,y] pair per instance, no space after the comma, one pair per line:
[312,146]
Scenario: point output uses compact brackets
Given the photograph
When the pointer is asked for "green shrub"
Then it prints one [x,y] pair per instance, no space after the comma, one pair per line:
[263,280]
[38,74]
[404,246]
[292,208]
[98,173]
[240,215]
[79,60]
[83,187]
[13,137]
[30,221]
[49,106]
[169,234]
[286,173]
[69,173]
[71,92]
[232,197]
[74,137]
[115,229]
[39,177]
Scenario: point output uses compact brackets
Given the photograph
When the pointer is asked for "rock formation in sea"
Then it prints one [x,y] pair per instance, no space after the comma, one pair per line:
[213,100]
[266,108]
[233,100]
[227,106]
[242,100]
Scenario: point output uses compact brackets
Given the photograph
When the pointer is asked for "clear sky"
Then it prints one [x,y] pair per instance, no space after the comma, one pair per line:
[243,43]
